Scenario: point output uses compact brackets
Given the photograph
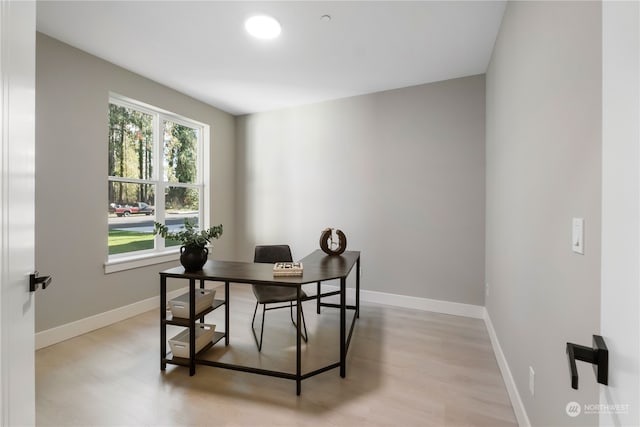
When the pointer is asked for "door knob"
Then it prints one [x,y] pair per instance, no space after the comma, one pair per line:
[35,281]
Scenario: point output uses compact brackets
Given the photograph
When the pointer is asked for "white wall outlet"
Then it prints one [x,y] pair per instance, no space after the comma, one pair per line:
[532,381]
[577,236]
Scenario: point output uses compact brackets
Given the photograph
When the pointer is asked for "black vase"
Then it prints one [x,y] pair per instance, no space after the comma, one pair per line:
[193,258]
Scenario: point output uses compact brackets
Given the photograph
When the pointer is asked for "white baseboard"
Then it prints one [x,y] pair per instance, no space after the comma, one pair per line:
[426,304]
[516,401]
[79,327]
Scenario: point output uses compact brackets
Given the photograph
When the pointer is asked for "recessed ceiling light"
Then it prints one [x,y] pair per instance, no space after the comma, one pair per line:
[263,27]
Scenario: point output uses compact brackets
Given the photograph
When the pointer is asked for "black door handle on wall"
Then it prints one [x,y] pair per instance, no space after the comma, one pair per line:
[35,281]
[598,356]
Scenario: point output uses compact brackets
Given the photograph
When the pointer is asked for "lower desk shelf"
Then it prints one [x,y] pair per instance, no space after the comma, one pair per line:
[184,361]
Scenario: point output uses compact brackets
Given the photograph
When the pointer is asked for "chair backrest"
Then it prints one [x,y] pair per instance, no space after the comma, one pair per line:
[272,254]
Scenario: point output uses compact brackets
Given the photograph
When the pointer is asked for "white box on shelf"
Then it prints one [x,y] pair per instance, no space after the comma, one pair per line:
[180,343]
[180,306]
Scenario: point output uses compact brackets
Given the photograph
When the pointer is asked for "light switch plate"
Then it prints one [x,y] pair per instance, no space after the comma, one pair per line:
[577,236]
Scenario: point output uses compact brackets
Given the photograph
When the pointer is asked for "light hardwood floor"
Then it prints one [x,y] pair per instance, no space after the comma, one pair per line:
[405,368]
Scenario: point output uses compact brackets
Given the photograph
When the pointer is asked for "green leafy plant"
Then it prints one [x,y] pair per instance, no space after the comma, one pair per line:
[190,236]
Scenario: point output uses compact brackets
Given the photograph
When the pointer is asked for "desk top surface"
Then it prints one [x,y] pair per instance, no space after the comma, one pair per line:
[318,267]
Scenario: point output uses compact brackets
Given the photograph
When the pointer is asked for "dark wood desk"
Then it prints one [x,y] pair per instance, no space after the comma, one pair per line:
[318,267]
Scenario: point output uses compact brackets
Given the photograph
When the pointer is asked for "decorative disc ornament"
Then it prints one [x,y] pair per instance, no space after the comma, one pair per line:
[331,245]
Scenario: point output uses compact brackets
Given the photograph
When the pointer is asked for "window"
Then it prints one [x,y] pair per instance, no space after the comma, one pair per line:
[156,173]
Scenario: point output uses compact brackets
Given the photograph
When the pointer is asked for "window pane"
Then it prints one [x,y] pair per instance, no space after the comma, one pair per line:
[151,151]
[180,153]
[131,217]
[130,143]
[181,203]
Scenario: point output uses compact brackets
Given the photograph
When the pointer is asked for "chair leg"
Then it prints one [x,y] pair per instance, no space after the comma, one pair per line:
[253,329]
[304,324]
[305,336]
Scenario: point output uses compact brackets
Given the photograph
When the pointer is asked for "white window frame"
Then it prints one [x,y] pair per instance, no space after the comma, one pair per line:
[160,254]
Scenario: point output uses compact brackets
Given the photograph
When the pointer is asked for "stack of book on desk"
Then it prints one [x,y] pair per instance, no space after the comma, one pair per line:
[287,269]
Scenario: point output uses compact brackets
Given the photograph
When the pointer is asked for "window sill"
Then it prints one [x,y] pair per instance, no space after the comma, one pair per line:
[141,260]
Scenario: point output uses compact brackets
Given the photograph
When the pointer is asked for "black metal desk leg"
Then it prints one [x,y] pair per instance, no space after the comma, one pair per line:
[318,299]
[298,344]
[343,325]
[163,326]
[202,287]
[227,298]
[358,288]
[192,326]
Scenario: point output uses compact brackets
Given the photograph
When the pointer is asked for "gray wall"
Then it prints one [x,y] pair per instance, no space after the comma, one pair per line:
[71,181]
[400,172]
[543,168]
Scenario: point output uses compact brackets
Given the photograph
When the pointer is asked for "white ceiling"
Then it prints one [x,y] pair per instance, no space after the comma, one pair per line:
[201,48]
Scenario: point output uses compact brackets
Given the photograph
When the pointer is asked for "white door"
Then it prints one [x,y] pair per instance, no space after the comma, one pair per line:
[17,92]
[620,306]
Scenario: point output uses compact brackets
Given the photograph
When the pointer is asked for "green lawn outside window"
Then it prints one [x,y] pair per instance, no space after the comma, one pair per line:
[121,241]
